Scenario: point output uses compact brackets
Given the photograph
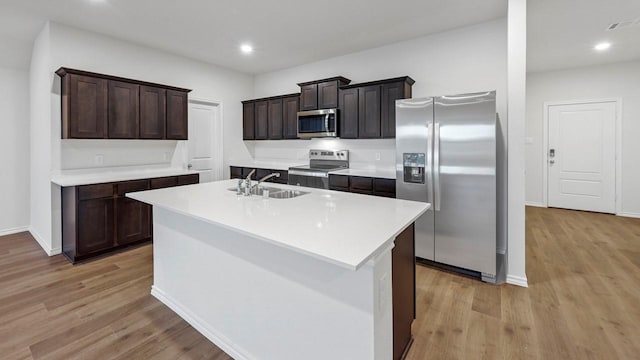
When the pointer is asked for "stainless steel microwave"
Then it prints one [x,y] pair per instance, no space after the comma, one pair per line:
[318,123]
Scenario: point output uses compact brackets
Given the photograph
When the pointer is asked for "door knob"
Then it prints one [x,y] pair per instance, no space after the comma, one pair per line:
[189,166]
[552,162]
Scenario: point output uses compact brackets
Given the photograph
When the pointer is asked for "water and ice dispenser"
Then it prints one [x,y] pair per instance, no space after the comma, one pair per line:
[414,167]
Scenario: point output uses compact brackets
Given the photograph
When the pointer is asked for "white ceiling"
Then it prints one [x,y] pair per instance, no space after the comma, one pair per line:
[284,33]
[562,33]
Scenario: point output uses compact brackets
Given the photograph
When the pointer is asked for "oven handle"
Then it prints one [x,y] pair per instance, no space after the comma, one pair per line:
[319,174]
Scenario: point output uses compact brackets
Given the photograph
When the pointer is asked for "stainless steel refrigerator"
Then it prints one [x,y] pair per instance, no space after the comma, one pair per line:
[446,156]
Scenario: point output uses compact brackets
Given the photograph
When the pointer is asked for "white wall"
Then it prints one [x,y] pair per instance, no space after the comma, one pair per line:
[620,80]
[517,65]
[469,59]
[61,45]
[14,150]
[40,140]
[464,60]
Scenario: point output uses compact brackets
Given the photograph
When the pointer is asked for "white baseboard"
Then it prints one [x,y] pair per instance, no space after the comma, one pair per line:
[43,244]
[517,280]
[209,332]
[535,203]
[14,230]
[628,214]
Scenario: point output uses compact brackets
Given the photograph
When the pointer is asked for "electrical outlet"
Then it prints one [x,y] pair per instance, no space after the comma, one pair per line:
[377,156]
[165,156]
[99,160]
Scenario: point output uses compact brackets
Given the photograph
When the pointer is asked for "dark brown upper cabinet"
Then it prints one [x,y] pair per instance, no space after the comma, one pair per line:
[369,111]
[308,97]
[366,110]
[123,110]
[328,94]
[84,107]
[349,113]
[271,118]
[262,120]
[290,108]
[98,106]
[275,119]
[248,120]
[153,112]
[177,123]
[391,92]
[321,94]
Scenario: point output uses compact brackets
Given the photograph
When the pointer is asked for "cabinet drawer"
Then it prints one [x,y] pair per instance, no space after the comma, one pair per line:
[189,179]
[361,183]
[384,185]
[338,181]
[97,191]
[165,182]
[362,191]
[131,186]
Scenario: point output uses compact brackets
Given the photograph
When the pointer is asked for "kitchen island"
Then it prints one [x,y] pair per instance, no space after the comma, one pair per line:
[308,277]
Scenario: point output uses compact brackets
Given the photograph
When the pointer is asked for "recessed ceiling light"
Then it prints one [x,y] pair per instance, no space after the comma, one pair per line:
[246,48]
[602,46]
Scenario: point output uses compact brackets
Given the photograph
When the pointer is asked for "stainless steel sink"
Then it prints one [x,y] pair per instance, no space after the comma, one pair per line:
[258,191]
[275,193]
[287,194]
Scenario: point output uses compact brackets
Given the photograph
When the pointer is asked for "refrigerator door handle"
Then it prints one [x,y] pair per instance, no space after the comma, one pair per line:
[436,166]
[429,168]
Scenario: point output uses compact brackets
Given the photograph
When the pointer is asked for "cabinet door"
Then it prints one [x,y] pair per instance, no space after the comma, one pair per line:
[248,121]
[328,95]
[390,93]
[87,113]
[134,220]
[369,111]
[123,110]
[262,120]
[177,115]
[309,97]
[403,285]
[275,119]
[153,112]
[95,225]
[290,108]
[349,113]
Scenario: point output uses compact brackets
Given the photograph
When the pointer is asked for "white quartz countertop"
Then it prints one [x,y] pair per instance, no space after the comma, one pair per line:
[342,228]
[267,164]
[386,173]
[87,177]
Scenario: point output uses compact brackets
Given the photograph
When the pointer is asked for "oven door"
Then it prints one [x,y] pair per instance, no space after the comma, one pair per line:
[318,123]
[312,179]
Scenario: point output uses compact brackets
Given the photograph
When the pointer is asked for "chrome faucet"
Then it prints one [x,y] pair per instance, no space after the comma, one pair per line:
[265,178]
[247,183]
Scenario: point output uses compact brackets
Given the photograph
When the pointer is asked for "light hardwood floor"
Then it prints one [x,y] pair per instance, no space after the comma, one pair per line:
[583,302]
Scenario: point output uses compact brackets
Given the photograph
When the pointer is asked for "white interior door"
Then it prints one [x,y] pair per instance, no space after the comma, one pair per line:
[205,140]
[581,156]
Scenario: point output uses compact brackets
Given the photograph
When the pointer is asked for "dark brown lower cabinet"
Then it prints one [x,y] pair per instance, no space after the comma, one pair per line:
[363,185]
[403,279]
[99,218]
[134,221]
[95,225]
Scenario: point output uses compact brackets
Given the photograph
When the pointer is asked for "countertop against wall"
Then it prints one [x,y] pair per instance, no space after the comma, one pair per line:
[98,176]
[284,164]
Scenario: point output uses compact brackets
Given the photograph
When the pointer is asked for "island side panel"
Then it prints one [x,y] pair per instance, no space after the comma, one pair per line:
[259,301]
